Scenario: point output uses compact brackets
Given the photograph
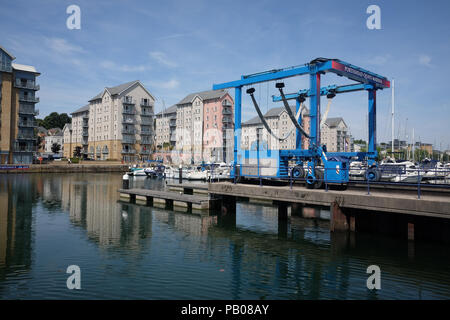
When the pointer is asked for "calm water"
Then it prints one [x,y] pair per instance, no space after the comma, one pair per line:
[51,221]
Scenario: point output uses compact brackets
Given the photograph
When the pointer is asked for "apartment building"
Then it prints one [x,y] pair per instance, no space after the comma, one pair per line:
[165,128]
[280,124]
[334,134]
[204,121]
[116,124]
[17,110]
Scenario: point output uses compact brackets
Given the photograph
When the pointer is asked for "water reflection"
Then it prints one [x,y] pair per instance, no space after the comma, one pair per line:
[133,251]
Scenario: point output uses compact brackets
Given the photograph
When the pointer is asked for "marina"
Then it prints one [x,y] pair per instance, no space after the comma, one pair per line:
[134,251]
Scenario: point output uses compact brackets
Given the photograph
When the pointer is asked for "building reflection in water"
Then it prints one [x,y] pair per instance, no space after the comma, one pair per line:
[16,221]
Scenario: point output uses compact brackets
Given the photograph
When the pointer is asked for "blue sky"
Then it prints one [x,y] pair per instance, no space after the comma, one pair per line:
[178,47]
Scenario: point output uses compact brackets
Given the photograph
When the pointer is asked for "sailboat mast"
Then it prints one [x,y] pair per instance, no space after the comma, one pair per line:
[393,112]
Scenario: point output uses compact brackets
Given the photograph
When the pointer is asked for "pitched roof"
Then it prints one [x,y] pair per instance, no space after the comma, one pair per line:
[253,121]
[119,89]
[172,109]
[334,122]
[82,109]
[22,67]
[204,95]
[9,54]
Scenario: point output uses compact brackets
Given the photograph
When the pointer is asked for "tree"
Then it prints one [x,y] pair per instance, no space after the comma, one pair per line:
[56,147]
[54,120]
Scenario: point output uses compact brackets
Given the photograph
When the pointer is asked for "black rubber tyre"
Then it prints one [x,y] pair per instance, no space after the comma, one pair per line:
[297,173]
[315,183]
[372,175]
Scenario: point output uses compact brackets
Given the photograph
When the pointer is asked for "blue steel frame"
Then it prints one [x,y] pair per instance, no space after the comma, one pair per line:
[367,80]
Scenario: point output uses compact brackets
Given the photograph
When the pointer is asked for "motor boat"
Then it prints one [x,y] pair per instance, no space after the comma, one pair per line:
[135,171]
[411,173]
[198,175]
[357,170]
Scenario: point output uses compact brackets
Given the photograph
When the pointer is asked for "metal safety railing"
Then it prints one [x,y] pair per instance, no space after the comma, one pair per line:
[416,178]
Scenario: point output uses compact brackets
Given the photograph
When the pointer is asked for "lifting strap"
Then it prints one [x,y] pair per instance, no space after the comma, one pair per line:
[289,112]
[330,97]
[264,122]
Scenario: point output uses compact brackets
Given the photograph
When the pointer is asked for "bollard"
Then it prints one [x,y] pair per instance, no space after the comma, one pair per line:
[180,173]
[125,182]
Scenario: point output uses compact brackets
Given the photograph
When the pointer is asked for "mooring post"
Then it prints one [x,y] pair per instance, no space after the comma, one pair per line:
[125,182]
[338,218]
[180,174]
[282,211]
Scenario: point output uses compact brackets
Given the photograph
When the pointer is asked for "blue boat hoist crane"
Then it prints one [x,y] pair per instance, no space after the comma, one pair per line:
[321,165]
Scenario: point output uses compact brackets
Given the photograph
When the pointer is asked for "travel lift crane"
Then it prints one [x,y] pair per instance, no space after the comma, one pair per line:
[275,163]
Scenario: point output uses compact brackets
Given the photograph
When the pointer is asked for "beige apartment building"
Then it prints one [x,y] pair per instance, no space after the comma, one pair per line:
[117,124]
[280,124]
[334,134]
[204,121]
[165,128]
[17,110]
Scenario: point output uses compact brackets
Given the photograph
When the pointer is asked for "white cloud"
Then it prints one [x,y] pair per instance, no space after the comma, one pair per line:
[162,58]
[379,60]
[61,46]
[124,68]
[171,84]
[425,60]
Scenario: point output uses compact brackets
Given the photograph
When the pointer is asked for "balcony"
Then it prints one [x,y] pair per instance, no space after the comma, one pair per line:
[226,103]
[128,121]
[27,85]
[144,152]
[146,121]
[146,132]
[85,141]
[173,138]
[85,124]
[226,119]
[173,122]
[5,68]
[26,136]
[128,140]
[24,109]
[128,100]
[24,148]
[128,151]
[128,111]
[28,124]
[85,133]
[146,142]
[128,131]
[145,103]
[28,99]
[227,111]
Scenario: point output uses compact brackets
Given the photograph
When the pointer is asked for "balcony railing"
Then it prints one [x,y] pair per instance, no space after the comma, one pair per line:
[29,99]
[145,103]
[128,131]
[128,100]
[173,122]
[128,151]
[226,111]
[146,122]
[128,111]
[129,140]
[85,133]
[28,124]
[28,110]
[148,112]
[147,142]
[129,121]
[85,124]
[5,68]
[85,141]
[26,136]
[26,148]
[144,152]
[27,85]
[226,103]
[226,119]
